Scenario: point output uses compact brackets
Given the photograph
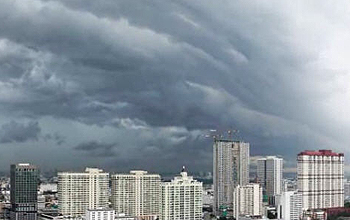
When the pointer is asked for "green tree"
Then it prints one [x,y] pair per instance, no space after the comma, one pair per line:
[347,204]
[270,215]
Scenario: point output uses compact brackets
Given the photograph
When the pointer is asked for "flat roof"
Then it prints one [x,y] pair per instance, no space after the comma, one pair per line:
[320,153]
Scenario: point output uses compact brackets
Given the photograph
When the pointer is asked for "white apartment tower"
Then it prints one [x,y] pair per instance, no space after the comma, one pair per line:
[231,168]
[247,200]
[321,179]
[270,174]
[136,194]
[181,198]
[289,205]
[78,192]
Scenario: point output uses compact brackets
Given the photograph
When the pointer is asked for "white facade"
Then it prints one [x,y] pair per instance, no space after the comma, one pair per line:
[123,217]
[289,185]
[231,168]
[48,187]
[270,174]
[247,200]
[321,179]
[347,190]
[289,205]
[78,192]
[181,199]
[100,214]
[136,194]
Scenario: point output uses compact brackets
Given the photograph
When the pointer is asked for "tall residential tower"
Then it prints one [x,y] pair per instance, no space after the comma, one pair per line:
[321,179]
[181,198]
[231,168]
[136,194]
[78,192]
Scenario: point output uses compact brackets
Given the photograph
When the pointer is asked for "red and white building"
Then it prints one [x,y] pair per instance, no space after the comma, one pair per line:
[321,179]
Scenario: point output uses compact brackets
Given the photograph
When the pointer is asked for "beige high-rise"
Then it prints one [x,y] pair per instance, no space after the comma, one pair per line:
[78,192]
[231,168]
[136,194]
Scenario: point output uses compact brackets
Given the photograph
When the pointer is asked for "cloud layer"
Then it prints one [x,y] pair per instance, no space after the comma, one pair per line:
[16,132]
[140,83]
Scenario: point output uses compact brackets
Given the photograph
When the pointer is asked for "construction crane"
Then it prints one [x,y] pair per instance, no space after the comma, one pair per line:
[231,134]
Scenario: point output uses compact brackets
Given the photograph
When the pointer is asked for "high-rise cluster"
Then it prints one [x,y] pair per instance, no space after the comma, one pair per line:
[138,194]
[320,183]
[95,194]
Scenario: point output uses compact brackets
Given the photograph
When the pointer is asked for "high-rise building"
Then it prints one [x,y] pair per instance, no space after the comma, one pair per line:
[289,205]
[247,200]
[261,172]
[181,198]
[321,179]
[270,175]
[24,191]
[231,168]
[136,194]
[347,190]
[80,191]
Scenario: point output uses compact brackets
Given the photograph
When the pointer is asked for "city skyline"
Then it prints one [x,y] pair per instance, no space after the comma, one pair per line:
[116,86]
[319,190]
[174,110]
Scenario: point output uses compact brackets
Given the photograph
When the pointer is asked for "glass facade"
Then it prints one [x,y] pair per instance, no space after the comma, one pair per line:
[24,192]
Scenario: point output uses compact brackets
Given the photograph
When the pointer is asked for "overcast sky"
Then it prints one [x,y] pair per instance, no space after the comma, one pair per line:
[126,84]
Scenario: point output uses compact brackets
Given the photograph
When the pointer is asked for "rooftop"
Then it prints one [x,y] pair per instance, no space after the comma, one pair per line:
[320,153]
[228,140]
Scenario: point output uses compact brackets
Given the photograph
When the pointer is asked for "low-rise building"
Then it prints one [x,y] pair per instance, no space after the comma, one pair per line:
[100,214]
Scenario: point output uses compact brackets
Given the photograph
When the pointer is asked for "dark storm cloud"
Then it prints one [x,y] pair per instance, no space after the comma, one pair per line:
[97,149]
[59,139]
[162,73]
[18,132]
